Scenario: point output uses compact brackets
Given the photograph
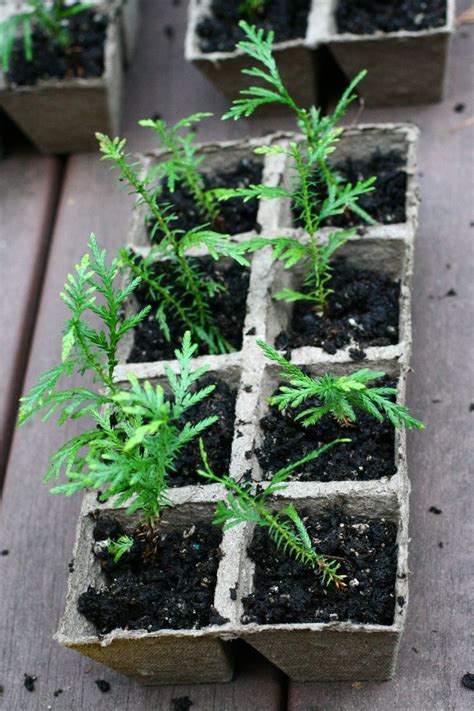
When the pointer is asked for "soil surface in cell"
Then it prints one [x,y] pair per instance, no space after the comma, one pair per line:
[286,591]
[165,583]
[235,216]
[217,438]
[385,204]
[363,309]
[219,31]
[369,455]
[82,58]
[365,17]
[228,307]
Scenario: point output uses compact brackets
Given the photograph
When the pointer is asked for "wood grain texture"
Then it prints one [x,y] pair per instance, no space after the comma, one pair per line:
[28,186]
[437,646]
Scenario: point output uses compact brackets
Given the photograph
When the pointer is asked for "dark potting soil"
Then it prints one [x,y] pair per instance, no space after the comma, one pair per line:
[235,216]
[365,17]
[220,31]
[385,204]
[287,592]
[83,58]
[228,309]
[217,439]
[364,308]
[165,584]
[370,454]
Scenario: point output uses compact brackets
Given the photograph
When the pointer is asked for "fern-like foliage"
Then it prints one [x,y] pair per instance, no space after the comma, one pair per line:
[244,503]
[340,396]
[136,434]
[182,164]
[50,16]
[317,192]
[189,300]
[90,291]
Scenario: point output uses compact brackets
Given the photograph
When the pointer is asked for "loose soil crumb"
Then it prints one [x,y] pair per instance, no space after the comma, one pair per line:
[166,584]
[365,17]
[468,681]
[236,216]
[370,454]
[184,703]
[83,58]
[228,308]
[287,592]
[385,204]
[219,31]
[363,310]
[102,685]
[29,682]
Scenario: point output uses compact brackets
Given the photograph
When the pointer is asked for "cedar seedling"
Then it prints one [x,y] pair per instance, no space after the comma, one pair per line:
[188,301]
[310,159]
[118,548]
[251,10]
[136,434]
[247,503]
[182,165]
[338,396]
[50,17]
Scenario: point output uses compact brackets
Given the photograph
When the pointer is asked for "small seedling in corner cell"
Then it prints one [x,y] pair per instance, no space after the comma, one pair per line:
[245,503]
[51,17]
[182,164]
[136,433]
[118,548]
[189,300]
[338,396]
[317,192]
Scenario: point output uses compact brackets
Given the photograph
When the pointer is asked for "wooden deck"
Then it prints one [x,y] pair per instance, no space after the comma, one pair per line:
[48,207]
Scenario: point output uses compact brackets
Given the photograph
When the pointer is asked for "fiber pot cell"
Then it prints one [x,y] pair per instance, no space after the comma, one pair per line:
[369,314]
[296,59]
[387,151]
[404,66]
[374,458]
[158,657]
[51,112]
[335,650]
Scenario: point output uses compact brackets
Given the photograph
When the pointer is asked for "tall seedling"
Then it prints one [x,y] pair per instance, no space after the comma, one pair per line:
[181,165]
[188,300]
[317,191]
[135,435]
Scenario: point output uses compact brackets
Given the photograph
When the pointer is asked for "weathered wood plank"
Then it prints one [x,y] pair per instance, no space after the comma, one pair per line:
[435,651]
[28,187]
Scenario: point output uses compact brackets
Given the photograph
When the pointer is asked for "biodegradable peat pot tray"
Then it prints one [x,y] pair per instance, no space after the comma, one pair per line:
[296,58]
[62,115]
[325,648]
[404,67]
[160,657]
